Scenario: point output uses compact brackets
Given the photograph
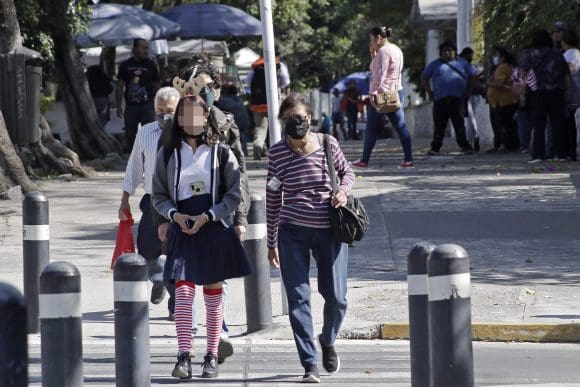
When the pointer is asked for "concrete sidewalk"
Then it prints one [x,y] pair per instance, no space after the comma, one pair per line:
[518,223]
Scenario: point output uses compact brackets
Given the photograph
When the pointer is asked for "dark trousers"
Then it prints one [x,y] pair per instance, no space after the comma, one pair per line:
[102,105]
[135,115]
[336,124]
[507,127]
[495,127]
[351,119]
[445,109]
[571,134]
[549,104]
[295,244]
[148,243]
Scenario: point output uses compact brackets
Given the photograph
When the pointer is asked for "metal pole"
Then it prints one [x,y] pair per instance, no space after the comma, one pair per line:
[132,356]
[464,21]
[419,313]
[270,70]
[61,323]
[13,338]
[450,334]
[257,285]
[35,246]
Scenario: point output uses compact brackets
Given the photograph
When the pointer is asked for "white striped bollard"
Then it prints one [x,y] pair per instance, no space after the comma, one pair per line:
[13,338]
[35,247]
[132,356]
[450,335]
[61,326]
[419,313]
[257,285]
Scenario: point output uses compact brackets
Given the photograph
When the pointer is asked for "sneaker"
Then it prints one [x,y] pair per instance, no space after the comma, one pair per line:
[535,161]
[157,292]
[406,165]
[330,360]
[433,152]
[182,369]
[209,366]
[360,164]
[311,374]
[225,348]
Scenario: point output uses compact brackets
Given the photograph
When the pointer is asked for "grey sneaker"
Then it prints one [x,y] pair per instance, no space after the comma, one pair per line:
[210,366]
[311,374]
[157,292]
[182,369]
[225,349]
[330,360]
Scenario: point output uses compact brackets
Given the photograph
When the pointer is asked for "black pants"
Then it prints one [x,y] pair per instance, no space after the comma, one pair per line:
[570,129]
[495,127]
[351,117]
[549,103]
[443,110]
[135,115]
[507,127]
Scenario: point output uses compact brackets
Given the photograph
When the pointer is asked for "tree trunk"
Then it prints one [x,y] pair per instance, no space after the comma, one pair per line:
[88,135]
[148,4]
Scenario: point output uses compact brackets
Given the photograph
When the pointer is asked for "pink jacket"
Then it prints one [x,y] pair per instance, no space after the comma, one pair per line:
[386,68]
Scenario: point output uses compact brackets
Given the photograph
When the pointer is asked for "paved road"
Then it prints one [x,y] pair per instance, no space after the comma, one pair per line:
[373,363]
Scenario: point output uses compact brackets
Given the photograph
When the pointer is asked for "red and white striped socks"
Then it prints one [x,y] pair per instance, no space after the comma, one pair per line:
[184,295]
[214,317]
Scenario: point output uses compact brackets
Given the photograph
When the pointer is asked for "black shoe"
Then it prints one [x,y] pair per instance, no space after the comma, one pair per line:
[210,366]
[330,359]
[476,144]
[225,349]
[433,152]
[182,369]
[467,150]
[311,374]
[157,292]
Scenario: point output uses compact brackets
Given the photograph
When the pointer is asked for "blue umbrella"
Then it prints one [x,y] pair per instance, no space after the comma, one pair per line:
[362,80]
[117,24]
[204,20]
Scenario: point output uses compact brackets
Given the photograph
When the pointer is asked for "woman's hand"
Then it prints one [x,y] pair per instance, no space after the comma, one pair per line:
[273,257]
[184,221]
[339,199]
[198,222]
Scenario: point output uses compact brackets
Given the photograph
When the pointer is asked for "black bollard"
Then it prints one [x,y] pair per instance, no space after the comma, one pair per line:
[61,323]
[13,338]
[257,284]
[132,357]
[35,242]
[450,334]
[419,313]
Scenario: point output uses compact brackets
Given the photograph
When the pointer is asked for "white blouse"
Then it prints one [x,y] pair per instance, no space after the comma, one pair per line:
[195,174]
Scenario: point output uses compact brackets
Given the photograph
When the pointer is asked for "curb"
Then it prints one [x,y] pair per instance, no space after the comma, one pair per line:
[533,333]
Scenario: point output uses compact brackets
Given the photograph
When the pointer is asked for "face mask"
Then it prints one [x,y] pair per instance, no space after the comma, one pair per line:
[208,95]
[165,120]
[296,128]
[495,60]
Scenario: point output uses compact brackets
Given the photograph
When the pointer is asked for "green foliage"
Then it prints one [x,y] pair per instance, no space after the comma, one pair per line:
[511,23]
[46,103]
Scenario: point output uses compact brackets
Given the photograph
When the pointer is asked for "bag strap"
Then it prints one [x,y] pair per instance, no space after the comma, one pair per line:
[330,162]
[455,69]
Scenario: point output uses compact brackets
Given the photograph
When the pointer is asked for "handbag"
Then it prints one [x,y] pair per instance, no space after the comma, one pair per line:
[388,102]
[125,243]
[349,222]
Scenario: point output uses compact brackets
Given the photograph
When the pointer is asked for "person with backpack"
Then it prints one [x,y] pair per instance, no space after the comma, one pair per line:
[298,196]
[259,101]
[198,189]
[452,81]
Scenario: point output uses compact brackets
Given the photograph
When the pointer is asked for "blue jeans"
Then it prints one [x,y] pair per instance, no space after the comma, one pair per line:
[524,127]
[397,118]
[295,244]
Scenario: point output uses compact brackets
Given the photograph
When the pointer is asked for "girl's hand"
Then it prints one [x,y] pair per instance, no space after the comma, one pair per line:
[339,199]
[198,222]
[184,221]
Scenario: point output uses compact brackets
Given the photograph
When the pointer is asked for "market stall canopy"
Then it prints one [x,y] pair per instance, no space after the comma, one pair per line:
[116,24]
[244,57]
[177,49]
[434,14]
[218,21]
[362,80]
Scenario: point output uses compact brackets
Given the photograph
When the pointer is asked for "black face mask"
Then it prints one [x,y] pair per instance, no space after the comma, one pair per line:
[296,128]
[165,120]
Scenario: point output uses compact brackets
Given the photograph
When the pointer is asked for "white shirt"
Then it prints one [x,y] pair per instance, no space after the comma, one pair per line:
[195,175]
[141,164]
[336,103]
[572,55]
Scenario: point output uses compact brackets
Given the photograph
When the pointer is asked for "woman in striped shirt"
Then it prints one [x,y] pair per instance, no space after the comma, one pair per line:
[298,198]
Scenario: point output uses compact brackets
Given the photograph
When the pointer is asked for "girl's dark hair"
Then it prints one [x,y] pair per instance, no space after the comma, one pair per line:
[570,38]
[541,39]
[199,64]
[172,137]
[292,102]
[383,32]
[506,55]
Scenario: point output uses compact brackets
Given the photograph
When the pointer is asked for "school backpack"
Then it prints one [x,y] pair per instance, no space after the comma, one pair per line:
[258,85]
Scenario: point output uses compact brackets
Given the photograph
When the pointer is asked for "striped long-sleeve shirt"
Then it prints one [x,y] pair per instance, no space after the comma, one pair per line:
[303,196]
[141,164]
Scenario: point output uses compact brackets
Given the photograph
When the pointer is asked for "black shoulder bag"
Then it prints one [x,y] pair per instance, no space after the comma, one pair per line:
[349,222]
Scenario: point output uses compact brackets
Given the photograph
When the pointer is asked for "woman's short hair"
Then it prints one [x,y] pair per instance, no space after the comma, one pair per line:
[200,64]
[383,32]
[292,102]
